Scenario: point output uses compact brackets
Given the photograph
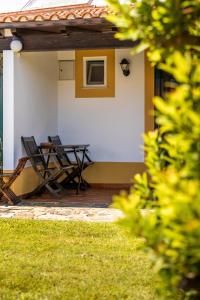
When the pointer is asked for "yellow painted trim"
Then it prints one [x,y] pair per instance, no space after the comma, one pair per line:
[100,172]
[26,182]
[82,92]
[113,172]
[149,94]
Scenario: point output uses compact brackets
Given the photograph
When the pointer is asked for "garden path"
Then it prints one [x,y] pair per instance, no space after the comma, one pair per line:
[92,205]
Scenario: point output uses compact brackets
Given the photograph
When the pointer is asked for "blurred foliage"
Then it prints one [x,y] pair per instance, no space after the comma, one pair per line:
[163,206]
[159,25]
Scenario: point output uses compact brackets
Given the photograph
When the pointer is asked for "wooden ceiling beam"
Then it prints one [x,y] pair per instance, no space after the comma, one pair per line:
[71,22]
[33,32]
[78,40]
[63,30]
[69,29]
[5,43]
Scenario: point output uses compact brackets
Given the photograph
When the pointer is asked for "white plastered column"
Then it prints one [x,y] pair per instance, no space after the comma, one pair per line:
[8,109]
[30,100]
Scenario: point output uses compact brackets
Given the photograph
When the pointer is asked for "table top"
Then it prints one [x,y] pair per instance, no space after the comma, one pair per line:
[48,145]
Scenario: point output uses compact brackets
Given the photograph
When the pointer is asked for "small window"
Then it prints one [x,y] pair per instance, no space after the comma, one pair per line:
[94,72]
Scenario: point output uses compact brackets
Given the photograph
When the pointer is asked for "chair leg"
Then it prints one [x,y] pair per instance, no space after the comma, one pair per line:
[32,194]
[48,185]
[81,168]
[10,196]
[71,177]
[54,191]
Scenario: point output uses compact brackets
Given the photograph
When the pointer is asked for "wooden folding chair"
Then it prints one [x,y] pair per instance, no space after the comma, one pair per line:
[63,156]
[48,176]
[5,190]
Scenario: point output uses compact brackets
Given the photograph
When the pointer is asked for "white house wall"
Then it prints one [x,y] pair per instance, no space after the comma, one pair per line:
[112,126]
[36,103]
[30,98]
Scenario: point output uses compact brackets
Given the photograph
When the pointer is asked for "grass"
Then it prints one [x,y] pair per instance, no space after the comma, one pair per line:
[71,261]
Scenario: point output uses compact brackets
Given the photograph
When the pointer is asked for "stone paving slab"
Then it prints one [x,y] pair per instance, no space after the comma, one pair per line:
[61,213]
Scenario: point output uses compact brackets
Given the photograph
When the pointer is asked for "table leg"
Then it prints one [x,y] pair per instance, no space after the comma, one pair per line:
[80,166]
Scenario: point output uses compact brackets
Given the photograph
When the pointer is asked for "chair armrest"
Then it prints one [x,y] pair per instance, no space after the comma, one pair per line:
[21,164]
[42,155]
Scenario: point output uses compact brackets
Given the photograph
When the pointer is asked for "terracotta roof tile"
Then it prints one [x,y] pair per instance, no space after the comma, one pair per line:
[56,13]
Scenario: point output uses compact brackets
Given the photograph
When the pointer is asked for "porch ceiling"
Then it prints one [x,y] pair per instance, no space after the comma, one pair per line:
[61,28]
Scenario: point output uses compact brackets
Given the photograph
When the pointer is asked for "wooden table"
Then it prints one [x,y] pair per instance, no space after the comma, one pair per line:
[52,148]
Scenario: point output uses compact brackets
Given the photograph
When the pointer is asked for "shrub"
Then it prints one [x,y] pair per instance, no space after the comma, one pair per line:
[163,206]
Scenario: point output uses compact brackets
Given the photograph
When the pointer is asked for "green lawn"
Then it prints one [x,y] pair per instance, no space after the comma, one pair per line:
[71,260]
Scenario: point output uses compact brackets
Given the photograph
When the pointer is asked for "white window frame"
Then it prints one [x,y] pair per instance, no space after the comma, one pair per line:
[96,58]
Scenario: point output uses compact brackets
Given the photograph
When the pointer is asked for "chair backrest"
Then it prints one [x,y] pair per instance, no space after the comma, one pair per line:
[32,150]
[61,154]
[55,140]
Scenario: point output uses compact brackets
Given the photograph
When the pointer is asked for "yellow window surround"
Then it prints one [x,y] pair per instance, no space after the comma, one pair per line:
[95,92]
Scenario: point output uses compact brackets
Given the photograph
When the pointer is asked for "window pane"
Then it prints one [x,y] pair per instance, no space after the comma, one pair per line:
[95,72]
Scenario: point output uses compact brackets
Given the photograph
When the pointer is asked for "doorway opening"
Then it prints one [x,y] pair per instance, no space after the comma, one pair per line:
[163,84]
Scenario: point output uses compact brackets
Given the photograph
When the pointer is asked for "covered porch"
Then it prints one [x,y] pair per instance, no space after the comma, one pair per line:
[39,100]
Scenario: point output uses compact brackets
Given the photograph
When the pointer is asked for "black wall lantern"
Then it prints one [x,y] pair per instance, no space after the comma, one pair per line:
[125,66]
